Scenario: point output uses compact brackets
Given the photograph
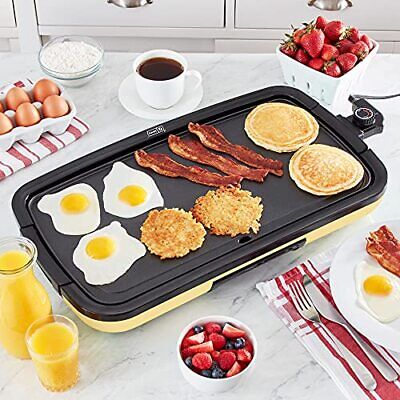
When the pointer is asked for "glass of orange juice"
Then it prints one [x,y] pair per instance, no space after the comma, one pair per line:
[53,344]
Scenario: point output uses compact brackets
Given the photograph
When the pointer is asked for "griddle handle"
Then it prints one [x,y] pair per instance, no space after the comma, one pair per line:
[367,119]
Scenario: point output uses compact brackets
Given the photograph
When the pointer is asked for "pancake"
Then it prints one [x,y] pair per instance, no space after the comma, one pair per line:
[324,170]
[172,233]
[281,127]
[229,211]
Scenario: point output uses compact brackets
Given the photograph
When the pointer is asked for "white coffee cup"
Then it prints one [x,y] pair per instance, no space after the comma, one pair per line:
[163,94]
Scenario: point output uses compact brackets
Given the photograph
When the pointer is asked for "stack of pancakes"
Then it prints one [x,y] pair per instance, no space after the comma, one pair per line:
[281,127]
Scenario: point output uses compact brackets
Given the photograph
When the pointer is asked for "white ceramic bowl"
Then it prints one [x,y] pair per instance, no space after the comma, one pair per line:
[315,83]
[210,385]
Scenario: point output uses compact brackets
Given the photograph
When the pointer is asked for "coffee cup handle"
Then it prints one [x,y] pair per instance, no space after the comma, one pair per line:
[197,75]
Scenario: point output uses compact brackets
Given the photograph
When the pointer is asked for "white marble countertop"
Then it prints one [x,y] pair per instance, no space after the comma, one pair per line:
[141,364]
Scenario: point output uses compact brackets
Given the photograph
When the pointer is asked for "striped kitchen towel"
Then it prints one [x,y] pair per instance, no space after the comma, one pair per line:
[317,342]
[22,155]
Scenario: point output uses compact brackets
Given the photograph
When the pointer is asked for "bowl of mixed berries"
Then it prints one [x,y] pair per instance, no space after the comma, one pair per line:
[325,58]
[215,353]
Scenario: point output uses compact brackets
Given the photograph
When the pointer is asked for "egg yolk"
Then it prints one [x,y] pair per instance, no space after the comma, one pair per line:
[378,285]
[13,260]
[132,195]
[100,247]
[74,203]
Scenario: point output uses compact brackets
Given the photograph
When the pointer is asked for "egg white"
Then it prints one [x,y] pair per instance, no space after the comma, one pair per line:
[383,308]
[121,176]
[72,224]
[101,272]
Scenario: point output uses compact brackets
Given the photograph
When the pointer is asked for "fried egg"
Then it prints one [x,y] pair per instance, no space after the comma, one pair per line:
[378,291]
[129,192]
[106,254]
[74,210]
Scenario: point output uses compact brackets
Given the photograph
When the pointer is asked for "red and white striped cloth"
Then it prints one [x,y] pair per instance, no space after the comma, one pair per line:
[23,155]
[315,340]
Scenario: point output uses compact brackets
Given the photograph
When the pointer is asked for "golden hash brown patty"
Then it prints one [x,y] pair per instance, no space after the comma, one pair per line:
[229,211]
[172,233]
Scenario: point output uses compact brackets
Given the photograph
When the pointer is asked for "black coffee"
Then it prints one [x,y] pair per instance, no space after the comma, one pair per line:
[160,69]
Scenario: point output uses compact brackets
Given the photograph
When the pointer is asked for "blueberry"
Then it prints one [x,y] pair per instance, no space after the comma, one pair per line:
[206,373]
[239,343]
[214,365]
[217,373]
[188,362]
[229,345]
[198,329]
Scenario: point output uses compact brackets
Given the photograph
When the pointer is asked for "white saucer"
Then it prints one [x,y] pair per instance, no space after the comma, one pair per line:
[131,101]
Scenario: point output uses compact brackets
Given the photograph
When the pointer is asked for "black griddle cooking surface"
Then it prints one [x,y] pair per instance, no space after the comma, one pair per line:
[288,211]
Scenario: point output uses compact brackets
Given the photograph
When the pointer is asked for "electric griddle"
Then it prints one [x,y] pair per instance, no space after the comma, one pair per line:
[291,217]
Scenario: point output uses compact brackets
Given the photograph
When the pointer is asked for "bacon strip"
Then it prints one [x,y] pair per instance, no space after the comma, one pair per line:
[164,165]
[213,138]
[193,150]
[385,248]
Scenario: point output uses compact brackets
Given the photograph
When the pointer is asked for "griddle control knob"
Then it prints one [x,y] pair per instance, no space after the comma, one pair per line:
[363,117]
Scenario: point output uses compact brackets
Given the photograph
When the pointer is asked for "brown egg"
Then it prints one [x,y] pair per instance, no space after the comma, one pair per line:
[15,97]
[43,89]
[5,124]
[54,107]
[1,107]
[26,115]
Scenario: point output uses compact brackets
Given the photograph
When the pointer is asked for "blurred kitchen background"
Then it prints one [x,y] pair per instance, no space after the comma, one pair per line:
[231,26]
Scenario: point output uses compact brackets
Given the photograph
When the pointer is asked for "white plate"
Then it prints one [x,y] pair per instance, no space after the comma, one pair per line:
[350,254]
[131,101]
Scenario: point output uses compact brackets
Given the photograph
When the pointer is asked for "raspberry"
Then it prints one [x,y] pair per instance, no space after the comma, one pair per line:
[215,355]
[212,327]
[226,360]
[218,341]
[186,352]
[202,361]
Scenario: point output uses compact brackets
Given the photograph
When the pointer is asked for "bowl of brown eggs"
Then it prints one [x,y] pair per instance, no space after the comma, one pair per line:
[29,111]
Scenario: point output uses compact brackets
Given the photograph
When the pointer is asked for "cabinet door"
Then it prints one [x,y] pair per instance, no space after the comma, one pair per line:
[7,19]
[161,13]
[278,14]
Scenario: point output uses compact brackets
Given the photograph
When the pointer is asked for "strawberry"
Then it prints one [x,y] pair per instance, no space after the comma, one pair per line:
[195,339]
[236,368]
[212,327]
[334,30]
[249,347]
[329,52]
[215,355]
[327,41]
[297,35]
[344,46]
[316,63]
[244,356]
[321,22]
[312,40]
[351,33]
[347,61]
[226,360]
[331,68]
[231,332]
[218,341]
[302,56]
[202,361]
[365,38]
[360,49]
[191,332]
[289,48]
[206,347]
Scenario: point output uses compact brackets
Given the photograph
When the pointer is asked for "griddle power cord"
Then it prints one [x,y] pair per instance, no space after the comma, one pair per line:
[354,97]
